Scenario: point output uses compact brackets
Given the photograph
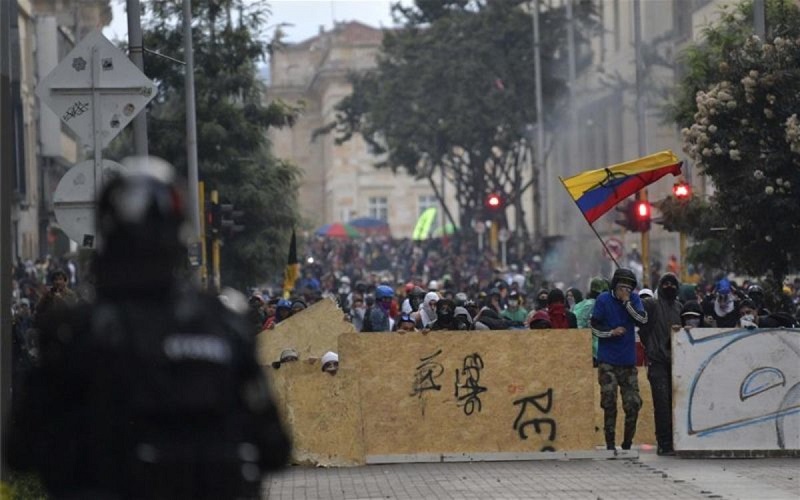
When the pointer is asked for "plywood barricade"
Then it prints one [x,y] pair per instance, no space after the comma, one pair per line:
[479,392]
[321,412]
[311,333]
[736,390]
[440,393]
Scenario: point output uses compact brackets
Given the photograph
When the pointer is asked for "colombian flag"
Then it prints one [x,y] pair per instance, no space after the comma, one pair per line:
[598,191]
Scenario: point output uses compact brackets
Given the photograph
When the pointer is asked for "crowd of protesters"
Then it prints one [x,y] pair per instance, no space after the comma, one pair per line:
[384,284]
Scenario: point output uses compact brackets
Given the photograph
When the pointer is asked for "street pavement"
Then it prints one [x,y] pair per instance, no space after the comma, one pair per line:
[646,477]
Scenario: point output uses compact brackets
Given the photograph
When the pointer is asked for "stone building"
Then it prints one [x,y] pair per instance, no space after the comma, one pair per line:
[340,182]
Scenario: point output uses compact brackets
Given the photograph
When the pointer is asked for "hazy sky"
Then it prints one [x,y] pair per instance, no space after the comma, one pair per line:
[306,16]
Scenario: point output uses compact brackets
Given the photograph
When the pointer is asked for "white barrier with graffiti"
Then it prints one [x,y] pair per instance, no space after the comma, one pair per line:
[736,389]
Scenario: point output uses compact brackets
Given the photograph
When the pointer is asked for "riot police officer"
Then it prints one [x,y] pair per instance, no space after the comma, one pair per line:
[154,390]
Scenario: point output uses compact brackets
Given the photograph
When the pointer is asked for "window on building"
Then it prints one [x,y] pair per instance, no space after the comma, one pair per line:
[379,207]
[425,202]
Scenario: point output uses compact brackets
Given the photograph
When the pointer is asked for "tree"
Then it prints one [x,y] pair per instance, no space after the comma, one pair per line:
[738,103]
[454,90]
[232,122]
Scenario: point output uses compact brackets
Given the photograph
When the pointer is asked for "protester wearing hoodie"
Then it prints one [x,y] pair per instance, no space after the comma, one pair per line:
[663,315]
[376,318]
[574,297]
[427,311]
[722,306]
[613,318]
[560,317]
[583,309]
[445,315]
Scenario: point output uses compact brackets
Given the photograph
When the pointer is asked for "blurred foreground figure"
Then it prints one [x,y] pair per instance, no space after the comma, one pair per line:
[153,391]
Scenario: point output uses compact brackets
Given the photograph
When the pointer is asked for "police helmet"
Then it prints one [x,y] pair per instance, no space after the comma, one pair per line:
[141,229]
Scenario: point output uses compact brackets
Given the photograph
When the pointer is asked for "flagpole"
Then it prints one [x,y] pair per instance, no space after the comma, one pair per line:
[610,255]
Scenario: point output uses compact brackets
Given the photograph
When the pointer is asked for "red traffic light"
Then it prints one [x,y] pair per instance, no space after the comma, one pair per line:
[681,190]
[641,216]
[494,201]
[642,210]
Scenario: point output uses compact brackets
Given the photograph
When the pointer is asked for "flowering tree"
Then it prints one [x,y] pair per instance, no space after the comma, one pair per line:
[739,104]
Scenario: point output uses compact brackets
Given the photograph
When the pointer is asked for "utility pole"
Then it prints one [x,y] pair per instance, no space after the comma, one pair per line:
[191,134]
[135,50]
[538,166]
[640,125]
[6,179]
[759,19]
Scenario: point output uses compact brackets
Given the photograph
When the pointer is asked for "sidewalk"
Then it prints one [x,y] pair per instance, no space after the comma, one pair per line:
[649,476]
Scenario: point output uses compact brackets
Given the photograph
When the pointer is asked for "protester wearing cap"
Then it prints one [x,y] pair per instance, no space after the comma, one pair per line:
[646,293]
[615,314]
[692,315]
[330,363]
[516,312]
[289,355]
[405,323]
[722,306]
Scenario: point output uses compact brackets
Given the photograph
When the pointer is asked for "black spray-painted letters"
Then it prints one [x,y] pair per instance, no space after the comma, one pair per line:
[467,391]
[544,403]
[427,372]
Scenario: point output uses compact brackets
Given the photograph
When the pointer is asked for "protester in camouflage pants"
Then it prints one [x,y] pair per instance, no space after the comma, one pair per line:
[625,377]
[614,316]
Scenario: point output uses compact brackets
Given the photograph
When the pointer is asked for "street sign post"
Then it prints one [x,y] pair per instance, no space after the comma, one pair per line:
[73,201]
[97,91]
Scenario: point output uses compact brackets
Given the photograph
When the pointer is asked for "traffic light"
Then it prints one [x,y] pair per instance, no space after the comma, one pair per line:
[641,216]
[494,202]
[228,216]
[682,191]
[626,209]
[213,218]
[636,216]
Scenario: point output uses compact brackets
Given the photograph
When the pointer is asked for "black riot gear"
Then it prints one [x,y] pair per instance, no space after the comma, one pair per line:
[153,391]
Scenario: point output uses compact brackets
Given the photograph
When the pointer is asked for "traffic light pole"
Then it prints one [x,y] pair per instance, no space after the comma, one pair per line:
[201,193]
[215,244]
[640,124]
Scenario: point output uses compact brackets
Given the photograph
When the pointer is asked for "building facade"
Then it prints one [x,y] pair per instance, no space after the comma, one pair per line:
[340,182]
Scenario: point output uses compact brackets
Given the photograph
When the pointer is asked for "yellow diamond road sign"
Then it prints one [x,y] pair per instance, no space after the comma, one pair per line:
[96,89]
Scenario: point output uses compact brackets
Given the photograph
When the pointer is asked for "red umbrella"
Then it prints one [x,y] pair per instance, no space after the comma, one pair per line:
[338,230]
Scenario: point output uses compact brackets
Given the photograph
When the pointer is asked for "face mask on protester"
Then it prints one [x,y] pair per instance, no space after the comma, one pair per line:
[669,292]
[693,322]
[571,302]
[513,303]
[748,321]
